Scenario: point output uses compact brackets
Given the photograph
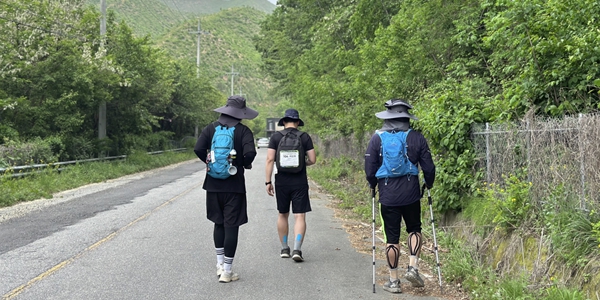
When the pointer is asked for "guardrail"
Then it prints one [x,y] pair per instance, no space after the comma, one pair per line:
[18,170]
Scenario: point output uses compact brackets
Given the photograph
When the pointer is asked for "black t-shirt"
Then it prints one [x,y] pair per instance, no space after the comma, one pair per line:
[243,142]
[291,179]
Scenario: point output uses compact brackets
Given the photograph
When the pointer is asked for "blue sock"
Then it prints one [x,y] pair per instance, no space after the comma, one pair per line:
[298,242]
[284,243]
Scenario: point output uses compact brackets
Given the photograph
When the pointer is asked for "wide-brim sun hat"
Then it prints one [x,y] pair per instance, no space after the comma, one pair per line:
[236,107]
[291,115]
[396,108]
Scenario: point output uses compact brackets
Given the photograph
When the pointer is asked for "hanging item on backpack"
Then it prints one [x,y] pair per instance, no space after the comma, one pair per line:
[393,152]
[222,155]
[290,156]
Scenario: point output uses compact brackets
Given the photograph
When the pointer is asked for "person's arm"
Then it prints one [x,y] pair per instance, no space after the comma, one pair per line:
[249,148]
[372,160]
[269,170]
[311,154]
[202,145]
[426,164]
[311,157]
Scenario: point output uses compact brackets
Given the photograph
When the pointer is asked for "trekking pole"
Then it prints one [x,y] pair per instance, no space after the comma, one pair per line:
[373,210]
[437,258]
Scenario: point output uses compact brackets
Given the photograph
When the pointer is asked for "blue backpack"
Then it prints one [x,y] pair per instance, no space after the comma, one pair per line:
[394,154]
[222,143]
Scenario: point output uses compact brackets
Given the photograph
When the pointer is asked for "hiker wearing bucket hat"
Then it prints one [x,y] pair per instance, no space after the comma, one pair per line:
[226,198]
[291,150]
[392,159]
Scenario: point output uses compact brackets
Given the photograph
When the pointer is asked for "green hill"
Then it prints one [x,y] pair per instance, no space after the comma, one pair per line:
[228,43]
[157,17]
[231,25]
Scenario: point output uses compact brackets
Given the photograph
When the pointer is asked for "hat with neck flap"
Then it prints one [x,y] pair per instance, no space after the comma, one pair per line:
[396,108]
[236,107]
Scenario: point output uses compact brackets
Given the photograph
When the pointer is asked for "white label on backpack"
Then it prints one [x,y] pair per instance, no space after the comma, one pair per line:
[212,156]
[289,158]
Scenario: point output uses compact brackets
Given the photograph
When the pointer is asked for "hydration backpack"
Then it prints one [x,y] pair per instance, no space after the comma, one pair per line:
[290,157]
[222,143]
[394,155]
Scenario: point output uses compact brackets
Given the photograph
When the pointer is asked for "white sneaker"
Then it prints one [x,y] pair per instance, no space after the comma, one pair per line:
[220,270]
[228,277]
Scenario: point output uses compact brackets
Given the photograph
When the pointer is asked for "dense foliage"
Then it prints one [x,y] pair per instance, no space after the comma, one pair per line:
[55,70]
[458,62]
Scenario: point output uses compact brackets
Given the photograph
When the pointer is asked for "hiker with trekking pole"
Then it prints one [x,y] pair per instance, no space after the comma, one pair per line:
[392,160]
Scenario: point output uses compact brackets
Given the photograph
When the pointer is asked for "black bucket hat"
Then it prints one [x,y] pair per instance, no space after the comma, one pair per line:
[396,108]
[291,114]
[236,107]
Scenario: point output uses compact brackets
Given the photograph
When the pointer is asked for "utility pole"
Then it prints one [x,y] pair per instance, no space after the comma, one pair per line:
[232,73]
[199,33]
[102,108]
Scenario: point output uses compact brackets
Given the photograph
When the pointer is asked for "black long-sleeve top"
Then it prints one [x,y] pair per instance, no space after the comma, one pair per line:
[243,143]
[404,190]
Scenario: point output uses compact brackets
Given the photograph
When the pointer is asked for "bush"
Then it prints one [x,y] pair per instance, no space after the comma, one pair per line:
[33,152]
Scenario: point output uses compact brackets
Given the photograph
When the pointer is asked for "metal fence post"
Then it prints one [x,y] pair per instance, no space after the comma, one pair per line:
[581,161]
[528,146]
[488,162]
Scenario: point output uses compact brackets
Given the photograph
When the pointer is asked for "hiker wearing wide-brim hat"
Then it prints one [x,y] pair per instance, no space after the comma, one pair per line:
[396,116]
[291,115]
[387,169]
[226,203]
[235,108]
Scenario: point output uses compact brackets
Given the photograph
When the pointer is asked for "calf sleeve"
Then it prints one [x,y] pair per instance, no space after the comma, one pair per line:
[414,243]
[392,264]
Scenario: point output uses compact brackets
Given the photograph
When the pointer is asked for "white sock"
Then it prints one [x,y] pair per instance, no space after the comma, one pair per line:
[227,264]
[220,255]
[393,274]
[413,261]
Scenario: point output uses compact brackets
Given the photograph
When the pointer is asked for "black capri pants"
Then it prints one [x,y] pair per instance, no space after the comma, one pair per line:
[391,219]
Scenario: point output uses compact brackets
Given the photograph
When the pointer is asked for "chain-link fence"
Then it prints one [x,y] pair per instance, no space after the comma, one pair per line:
[555,153]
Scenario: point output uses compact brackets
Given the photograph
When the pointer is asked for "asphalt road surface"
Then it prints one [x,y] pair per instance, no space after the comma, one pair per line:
[146,236]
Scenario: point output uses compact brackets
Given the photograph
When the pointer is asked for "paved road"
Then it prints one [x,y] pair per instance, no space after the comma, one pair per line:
[146,236]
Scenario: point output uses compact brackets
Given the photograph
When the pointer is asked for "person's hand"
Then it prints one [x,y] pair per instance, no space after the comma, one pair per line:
[373,192]
[270,189]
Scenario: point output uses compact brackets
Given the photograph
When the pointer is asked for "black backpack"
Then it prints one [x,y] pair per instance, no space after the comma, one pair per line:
[290,157]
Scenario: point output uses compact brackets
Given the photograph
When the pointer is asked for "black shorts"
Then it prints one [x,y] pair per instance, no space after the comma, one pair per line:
[297,195]
[391,218]
[228,209]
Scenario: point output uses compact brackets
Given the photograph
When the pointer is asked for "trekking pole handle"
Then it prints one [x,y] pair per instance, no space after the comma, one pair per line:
[429,197]
[373,192]
[429,201]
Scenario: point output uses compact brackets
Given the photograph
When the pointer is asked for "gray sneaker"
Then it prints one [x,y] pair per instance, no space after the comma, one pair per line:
[228,277]
[219,270]
[285,252]
[297,256]
[412,275]
[392,286]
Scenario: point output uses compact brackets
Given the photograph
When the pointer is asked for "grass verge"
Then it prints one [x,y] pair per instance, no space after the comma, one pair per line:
[462,265]
[50,181]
